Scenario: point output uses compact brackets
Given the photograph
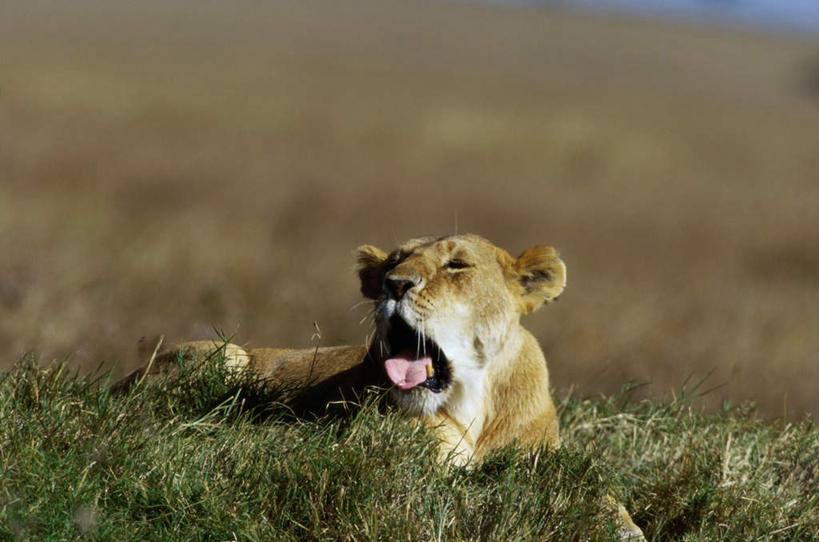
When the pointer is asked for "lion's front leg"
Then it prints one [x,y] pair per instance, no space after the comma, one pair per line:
[627,530]
[455,446]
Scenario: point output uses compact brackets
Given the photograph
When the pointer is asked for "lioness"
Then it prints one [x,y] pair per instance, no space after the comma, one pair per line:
[448,341]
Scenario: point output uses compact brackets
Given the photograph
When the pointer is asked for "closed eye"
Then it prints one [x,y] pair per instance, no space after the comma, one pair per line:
[456,264]
[393,260]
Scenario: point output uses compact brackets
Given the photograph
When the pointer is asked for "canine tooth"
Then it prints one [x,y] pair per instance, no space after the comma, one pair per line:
[430,370]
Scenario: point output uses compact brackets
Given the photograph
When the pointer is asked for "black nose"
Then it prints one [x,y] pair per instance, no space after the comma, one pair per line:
[397,287]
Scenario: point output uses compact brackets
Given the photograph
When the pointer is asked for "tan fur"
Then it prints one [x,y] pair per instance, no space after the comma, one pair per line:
[467,296]
[500,385]
[311,378]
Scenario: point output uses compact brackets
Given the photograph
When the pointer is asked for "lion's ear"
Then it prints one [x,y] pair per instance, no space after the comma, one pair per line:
[371,270]
[541,275]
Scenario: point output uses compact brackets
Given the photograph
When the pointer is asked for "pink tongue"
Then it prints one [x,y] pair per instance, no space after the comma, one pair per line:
[406,373]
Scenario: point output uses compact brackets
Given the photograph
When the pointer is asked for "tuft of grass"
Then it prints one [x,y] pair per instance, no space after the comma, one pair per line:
[197,456]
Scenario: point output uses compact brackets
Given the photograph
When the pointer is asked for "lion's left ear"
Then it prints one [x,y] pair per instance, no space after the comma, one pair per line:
[541,275]
[371,270]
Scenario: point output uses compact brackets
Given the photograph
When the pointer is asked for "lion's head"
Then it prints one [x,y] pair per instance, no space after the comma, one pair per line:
[448,307]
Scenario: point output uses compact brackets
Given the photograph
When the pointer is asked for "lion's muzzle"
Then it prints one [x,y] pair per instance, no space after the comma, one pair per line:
[413,359]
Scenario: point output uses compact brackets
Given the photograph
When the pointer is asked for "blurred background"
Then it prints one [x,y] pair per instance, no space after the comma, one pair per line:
[175,167]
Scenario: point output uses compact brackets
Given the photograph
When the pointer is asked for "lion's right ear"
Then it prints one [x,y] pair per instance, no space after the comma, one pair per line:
[541,277]
[371,269]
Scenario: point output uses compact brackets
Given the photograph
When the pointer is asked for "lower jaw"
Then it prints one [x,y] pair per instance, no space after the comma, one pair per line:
[434,387]
[415,403]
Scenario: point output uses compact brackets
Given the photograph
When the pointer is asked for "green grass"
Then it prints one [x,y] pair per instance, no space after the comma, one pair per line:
[190,457]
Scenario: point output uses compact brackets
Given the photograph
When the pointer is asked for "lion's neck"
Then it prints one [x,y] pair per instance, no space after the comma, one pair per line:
[472,401]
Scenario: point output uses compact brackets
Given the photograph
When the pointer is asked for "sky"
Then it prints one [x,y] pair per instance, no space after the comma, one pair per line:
[800,15]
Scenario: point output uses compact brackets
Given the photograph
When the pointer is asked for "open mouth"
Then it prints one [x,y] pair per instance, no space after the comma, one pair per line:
[414,360]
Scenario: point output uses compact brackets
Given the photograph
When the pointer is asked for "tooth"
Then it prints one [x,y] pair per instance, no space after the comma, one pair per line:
[430,370]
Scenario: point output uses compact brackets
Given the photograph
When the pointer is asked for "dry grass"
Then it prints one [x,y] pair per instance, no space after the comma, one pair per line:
[170,167]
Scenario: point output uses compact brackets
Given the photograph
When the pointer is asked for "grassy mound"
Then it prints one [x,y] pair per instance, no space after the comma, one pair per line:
[190,457]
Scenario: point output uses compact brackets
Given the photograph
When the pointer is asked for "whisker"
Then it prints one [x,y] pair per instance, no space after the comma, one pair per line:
[356,305]
[425,344]
[368,336]
[423,337]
